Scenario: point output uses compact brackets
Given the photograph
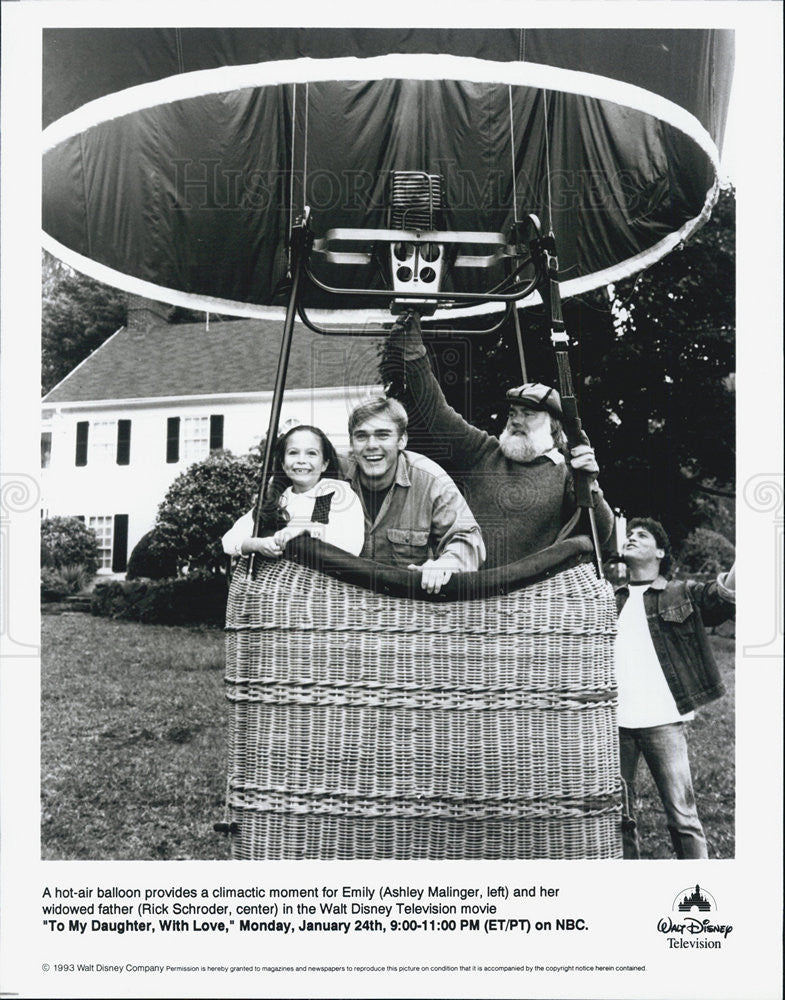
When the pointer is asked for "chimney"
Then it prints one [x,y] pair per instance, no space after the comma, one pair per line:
[145,313]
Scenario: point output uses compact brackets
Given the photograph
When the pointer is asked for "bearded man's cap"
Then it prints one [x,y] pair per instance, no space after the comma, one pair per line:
[535,396]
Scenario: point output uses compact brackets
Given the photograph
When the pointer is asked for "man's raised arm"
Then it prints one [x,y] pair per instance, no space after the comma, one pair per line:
[408,370]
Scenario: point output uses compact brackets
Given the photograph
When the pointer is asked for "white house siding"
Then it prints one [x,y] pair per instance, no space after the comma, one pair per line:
[104,489]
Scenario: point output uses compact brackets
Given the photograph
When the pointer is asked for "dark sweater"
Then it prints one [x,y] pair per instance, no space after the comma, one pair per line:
[520,507]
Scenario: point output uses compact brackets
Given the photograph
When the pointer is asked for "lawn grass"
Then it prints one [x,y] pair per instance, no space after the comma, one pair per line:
[133,746]
[712,743]
[133,740]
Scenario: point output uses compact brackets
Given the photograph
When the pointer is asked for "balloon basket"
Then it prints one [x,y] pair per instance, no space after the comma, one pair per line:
[378,727]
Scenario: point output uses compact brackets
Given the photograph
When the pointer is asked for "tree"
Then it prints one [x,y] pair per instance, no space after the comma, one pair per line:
[662,395]
[66,541]
[199,508]
[77,316]
[653,362]
[706,551]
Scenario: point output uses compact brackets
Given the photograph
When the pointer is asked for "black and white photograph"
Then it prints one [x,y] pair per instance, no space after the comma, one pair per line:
[395,390]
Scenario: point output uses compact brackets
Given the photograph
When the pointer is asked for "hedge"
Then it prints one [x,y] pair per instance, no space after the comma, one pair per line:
[194,600]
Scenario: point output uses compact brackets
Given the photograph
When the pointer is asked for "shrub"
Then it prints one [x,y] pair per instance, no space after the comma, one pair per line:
[66,541]
[154,562]
[53,586]
[60,582]
[705,552]
[192,600]
[199,507]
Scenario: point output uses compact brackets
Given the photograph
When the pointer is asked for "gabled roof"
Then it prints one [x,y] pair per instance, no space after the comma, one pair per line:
[241,356]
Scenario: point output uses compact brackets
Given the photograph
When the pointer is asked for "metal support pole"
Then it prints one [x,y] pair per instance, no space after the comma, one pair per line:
[520,342]
[584,496]
[573,430]
[297,248]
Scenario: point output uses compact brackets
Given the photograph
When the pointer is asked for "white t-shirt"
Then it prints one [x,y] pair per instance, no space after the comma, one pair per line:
[346,524]
[644,696]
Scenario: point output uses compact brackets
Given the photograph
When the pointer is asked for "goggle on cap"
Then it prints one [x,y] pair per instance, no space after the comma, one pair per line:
[535,396]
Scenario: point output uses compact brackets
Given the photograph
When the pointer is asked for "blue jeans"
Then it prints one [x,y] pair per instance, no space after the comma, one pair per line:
[664,749]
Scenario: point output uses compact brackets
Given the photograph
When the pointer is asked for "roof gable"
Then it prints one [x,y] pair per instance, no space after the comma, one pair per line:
[189,359]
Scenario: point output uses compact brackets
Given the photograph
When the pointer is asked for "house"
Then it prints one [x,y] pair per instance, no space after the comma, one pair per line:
[155,398]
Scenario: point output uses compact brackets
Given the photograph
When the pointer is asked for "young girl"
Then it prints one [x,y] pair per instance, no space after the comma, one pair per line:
[305,495]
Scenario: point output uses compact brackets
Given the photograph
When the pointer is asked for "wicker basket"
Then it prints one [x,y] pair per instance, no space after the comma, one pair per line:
[368,726]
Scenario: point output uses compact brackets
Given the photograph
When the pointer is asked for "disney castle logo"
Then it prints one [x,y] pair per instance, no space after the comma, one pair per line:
[691,931]
[696,900]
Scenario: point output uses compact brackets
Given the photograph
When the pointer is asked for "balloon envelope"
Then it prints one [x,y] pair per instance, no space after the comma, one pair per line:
[176,160]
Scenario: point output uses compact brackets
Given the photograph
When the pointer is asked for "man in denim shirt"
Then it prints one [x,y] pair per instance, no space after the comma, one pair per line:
[415,517]
[665,669]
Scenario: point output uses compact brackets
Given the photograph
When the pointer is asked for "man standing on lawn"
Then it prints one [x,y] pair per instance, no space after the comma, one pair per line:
[665,669]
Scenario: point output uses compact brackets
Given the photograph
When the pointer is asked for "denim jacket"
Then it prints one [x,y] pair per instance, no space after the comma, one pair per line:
[676,612]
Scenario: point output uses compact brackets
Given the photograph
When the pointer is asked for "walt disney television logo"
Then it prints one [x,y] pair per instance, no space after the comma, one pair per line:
[689,926]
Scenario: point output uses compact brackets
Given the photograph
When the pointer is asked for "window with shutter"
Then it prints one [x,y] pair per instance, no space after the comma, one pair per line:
[173,439]
[81,442]
[102,526]
[196,438]
[120,544]
[123,442]
[103,442]
[216,432]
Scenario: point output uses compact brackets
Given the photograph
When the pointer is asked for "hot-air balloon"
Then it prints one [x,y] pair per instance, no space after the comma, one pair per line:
[346,178]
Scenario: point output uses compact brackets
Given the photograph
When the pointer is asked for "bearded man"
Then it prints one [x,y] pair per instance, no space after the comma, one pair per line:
[519,486]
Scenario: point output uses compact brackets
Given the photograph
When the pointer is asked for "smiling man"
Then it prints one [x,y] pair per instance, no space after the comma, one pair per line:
[519,486]
[415,517]
[664,670]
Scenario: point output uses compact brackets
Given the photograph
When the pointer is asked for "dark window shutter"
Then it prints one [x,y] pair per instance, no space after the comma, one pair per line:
[81,442]
[46,449]
[120,543]
[216,432]
[123,442]
[173,439]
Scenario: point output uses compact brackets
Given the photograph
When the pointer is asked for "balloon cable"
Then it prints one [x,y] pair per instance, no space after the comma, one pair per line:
[305,162]
[548,162]
[512,154]
[291,179]
[516,320]
[305,144]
